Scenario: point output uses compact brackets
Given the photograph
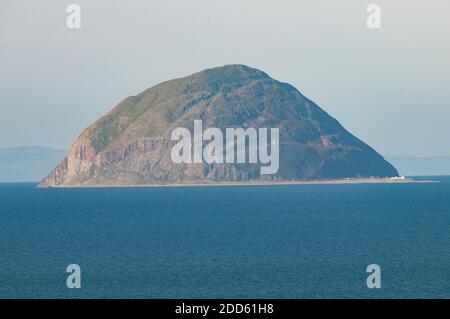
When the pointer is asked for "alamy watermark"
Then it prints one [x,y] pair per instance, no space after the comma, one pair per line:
[374,279]
[374,19]
[74,279]
[234,150]
[73,20]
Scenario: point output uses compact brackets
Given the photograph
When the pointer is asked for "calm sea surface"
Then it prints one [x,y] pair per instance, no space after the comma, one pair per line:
[203,242]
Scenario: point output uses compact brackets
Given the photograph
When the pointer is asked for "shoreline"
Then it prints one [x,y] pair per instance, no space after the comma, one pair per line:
[260,183]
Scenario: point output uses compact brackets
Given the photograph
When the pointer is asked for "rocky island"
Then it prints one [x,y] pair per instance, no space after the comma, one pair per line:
[131,145]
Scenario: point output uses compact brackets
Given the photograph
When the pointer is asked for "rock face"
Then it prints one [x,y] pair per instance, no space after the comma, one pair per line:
[131,145]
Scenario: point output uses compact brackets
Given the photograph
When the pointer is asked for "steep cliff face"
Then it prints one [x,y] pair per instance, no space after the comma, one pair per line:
[131,145]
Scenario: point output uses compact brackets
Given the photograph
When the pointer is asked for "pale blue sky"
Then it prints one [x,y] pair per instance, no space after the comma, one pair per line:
[390,87]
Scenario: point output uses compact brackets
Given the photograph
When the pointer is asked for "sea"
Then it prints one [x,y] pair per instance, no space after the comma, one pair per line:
[280,241]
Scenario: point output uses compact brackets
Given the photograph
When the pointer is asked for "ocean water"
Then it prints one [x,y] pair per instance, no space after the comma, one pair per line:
[295,241]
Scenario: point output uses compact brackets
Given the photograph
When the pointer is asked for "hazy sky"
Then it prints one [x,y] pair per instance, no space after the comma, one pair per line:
[390,87]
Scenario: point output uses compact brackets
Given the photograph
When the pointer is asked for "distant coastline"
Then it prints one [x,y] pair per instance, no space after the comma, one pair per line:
[392,180]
